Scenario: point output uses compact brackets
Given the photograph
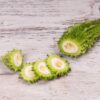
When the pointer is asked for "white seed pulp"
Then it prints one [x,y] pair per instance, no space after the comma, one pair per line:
[28,72]
[17,59]
[58,63]
[43,68]
[70,47]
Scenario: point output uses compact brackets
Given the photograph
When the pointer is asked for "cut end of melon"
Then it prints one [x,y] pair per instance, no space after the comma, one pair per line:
[70,47]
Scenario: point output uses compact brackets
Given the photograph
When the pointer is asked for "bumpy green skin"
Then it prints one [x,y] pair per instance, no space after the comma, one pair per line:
[23,76]
[55,71]
[7,59]
[84,35]
[40,74]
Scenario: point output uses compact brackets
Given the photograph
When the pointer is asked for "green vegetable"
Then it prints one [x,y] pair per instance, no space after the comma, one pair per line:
[42,70]
[57,65]
[27,73]
[13,59]
[79,38]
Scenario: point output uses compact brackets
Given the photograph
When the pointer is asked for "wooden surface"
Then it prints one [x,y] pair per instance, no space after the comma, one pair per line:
[35,27]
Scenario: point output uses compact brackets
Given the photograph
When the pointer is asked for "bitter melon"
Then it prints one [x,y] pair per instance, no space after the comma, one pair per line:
[57,65]
[27,73]
[13,59]
[41,69]
[79,38]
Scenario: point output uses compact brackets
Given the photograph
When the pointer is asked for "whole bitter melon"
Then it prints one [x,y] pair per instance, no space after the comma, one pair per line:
[79,38]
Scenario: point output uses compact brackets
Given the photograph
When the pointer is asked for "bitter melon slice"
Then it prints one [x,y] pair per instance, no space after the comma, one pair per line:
[42,70]
[13,59]
[57,65]
[28,74]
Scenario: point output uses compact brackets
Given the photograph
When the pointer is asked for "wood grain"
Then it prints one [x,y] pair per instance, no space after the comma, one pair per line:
[35,27]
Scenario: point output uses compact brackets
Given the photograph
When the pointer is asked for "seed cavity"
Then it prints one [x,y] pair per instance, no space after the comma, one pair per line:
[70,47]
[43,68]
[17,59]
[58,63]
[29,72]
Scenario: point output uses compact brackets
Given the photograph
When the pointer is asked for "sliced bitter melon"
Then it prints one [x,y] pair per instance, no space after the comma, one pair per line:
[28,74]
[57,65]
[13,59]
[42,70]
[79,38]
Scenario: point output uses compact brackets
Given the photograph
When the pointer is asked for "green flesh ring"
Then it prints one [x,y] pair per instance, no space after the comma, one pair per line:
[42,70]
[13,60]
[27,73]
[57,65]
[79,38]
